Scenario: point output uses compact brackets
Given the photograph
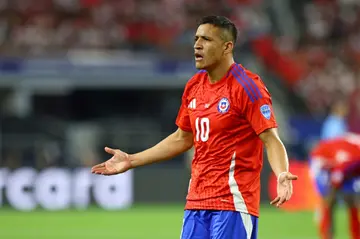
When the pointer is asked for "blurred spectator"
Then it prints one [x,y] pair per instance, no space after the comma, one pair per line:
[335,124]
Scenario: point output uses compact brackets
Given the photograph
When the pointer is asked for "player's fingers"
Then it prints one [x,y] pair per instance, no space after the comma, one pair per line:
[291,177]
[288,197]
[289,194]
[282,200]
[275,200]
[108,172]
[103,171]
[98,171]
[284,197]
[98,167]
[110,150]
[291,189]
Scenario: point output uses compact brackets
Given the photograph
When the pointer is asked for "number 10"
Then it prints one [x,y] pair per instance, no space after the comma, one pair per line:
[202,126]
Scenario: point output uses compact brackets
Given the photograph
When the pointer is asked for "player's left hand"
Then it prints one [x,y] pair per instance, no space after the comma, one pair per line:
[284,188]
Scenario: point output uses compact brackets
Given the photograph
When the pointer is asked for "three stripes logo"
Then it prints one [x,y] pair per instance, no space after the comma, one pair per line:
[250,87]
[192,104]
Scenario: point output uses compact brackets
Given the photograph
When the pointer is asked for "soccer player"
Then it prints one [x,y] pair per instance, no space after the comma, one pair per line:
[226,113]
[335,166]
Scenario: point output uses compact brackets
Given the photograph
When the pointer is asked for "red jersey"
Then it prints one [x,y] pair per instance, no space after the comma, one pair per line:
[337,153]
[226,119]
[339,156]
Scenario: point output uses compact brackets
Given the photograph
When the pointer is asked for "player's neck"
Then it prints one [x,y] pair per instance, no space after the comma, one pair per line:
[219,71]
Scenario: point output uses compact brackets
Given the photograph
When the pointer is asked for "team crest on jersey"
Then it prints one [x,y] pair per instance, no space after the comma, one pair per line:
[224,105]
[266,111]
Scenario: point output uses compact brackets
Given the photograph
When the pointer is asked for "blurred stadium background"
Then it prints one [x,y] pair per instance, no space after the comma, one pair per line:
[76,75]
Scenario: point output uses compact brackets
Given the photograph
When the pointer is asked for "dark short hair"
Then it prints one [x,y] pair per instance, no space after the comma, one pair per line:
[221,22]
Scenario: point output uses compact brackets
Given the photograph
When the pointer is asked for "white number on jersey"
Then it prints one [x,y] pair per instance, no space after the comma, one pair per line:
[202,126]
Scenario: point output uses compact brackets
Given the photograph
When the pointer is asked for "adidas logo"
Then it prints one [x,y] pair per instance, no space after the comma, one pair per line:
[192,104]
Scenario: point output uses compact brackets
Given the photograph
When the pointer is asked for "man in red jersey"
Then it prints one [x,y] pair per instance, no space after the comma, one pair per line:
[335,167]
[226,113]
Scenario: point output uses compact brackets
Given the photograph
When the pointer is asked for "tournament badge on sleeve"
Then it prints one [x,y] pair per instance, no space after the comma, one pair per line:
[224,105]
[266,111]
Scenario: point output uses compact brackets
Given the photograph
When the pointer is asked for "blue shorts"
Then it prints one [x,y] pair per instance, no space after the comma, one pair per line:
[322,182]
[204,224]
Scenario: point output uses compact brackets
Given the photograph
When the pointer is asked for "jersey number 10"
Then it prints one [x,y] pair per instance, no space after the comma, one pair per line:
[202,126]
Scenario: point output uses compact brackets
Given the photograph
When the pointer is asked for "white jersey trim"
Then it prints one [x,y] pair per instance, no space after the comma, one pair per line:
[238,199]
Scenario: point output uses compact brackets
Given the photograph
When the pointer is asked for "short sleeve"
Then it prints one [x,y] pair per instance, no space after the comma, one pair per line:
[183,119]
[257,107]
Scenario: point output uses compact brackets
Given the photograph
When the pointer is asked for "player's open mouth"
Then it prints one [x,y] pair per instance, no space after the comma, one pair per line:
[198,57]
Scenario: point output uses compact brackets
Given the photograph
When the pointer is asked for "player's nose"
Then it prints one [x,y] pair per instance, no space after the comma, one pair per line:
[197,46]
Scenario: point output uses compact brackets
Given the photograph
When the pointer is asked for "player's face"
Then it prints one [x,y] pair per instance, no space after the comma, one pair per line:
[208,46]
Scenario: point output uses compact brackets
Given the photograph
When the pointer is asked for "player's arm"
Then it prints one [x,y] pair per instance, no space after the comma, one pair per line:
[276,151]
[257,108]
[176,143]
[279,163]
[259,112]
[120,162]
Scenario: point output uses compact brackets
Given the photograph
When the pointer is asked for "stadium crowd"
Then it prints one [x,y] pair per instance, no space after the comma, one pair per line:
[321,61]
[140,25]
[330,52]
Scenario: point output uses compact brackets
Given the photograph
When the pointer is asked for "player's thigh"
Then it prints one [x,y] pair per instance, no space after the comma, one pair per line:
[233,225]
[196,225]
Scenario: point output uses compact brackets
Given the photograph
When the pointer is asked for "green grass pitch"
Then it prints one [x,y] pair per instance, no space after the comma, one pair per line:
[145,222]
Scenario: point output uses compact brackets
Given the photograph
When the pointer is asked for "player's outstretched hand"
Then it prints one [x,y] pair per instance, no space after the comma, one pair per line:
[118,163]
[284,189]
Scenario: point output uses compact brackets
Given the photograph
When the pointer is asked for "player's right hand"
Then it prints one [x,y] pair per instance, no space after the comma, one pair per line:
[118,163]
[284,188]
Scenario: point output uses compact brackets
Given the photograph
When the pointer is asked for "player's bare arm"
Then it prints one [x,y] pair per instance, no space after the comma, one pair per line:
[279,163]
[175,144]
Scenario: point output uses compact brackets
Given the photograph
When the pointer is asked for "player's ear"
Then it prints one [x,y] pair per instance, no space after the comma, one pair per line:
[228,47]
